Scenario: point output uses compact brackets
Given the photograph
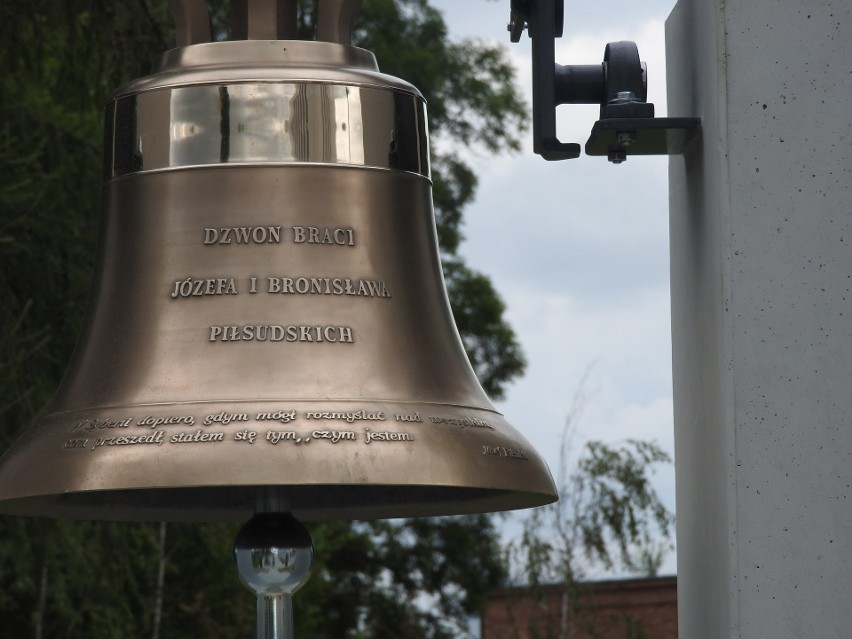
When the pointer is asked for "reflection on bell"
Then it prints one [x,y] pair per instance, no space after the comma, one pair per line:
[269,311]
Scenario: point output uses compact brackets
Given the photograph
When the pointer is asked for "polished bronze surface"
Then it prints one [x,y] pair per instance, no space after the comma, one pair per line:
[269,310]
[275,123]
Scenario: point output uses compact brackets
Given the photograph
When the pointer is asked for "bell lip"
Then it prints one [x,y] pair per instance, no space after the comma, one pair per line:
[197,504]
[256,61]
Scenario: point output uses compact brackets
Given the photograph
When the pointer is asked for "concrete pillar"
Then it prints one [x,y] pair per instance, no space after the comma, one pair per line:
[761,240]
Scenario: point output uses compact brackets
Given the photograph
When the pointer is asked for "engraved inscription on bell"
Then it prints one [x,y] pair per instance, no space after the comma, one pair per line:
[278,333]
[327,286]
[277,234]
[184,429]
[194,286]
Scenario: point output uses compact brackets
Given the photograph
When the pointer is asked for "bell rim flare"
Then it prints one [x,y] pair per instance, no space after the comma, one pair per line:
[378,462]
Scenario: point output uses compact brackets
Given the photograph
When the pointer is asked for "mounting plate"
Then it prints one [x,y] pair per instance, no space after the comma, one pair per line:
[620,137]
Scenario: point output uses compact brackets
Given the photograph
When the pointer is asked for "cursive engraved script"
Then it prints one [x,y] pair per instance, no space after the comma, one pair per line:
[386,436]
[360,415]
[101,424]
[461,422]
[502,451]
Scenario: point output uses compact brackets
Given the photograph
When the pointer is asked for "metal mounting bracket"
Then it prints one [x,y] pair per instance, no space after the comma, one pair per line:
[619,84]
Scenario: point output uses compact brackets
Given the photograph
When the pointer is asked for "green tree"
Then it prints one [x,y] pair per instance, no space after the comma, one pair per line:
[609,516]
[114,580]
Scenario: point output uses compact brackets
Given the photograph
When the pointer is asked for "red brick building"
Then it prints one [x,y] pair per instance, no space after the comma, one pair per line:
[618,609]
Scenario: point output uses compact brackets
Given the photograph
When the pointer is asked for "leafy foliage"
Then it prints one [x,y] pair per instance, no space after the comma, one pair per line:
[609,516]
[86,579]
[618,505]
[400,579]
[490,343]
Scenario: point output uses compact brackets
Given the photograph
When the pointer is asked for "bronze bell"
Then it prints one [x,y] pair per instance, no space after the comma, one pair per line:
[269,328]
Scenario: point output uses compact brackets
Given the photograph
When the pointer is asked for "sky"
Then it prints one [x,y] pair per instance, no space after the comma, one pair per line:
[578,250]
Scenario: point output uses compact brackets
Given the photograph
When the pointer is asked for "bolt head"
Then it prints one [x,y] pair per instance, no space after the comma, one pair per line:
[617,156]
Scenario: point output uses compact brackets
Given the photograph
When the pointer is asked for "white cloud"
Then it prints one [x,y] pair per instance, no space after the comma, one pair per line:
[579,250]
